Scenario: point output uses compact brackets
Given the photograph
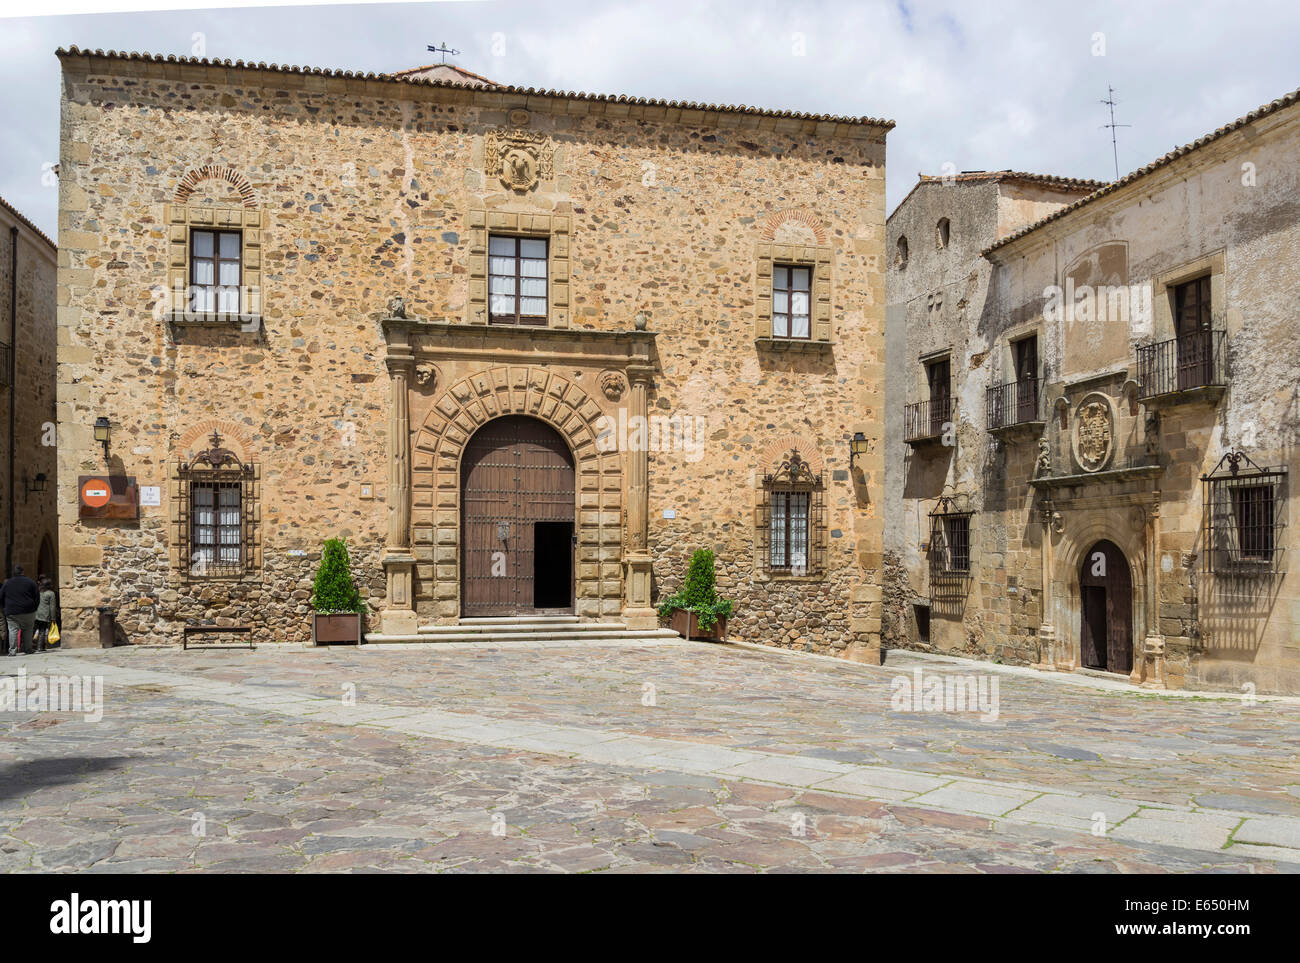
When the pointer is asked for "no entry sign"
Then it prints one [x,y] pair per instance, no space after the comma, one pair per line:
[107,496]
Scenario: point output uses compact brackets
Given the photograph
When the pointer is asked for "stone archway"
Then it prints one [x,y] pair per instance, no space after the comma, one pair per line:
[439,445]
[1083,530]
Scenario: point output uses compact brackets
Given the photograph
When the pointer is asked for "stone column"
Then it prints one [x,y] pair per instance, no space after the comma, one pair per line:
[637,610]
[1149,670]
[399,564]
[1046,631]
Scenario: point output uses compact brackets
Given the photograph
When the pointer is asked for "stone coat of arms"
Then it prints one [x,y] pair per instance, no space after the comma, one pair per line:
[1094,434]
[519,158]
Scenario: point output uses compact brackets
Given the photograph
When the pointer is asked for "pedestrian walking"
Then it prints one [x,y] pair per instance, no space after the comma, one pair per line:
[19,597]
[46,610]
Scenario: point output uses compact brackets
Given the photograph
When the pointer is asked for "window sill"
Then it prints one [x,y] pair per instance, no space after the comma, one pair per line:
[769,576]
[212,319]
[792,344]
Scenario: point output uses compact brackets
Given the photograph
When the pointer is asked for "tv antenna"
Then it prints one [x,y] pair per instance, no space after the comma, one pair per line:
[1110,102]
[444,50]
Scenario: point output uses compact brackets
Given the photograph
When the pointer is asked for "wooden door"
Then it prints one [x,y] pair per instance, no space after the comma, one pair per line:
[1106,609]
[1026,350]
[939,376]
[1195,348]
[515,473]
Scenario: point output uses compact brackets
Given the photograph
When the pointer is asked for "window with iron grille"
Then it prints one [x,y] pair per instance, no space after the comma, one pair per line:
[1244,507]
[791,527]
[791,300]
[216,514]
[215,268]
[950,538]
[517,280]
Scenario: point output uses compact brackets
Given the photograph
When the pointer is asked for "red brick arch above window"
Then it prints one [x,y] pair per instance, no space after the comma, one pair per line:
[194,177]
[778,450]
[795,216]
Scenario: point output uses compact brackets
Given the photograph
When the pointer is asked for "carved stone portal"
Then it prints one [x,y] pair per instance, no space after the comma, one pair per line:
[1094,433]
[519,158]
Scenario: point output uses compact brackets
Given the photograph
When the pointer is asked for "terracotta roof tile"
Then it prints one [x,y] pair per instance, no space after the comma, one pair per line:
[21,217]
[397,78]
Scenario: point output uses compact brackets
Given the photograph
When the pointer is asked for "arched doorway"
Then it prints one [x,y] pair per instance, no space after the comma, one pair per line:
[45,560]
[517,520]
[1106,609]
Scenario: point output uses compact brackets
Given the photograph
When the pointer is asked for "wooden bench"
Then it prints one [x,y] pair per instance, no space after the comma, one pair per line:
[192,630]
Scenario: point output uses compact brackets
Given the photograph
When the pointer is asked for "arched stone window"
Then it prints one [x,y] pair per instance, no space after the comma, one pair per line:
[942,233]
[900,253]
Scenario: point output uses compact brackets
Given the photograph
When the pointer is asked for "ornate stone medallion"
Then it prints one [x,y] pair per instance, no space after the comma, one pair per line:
[1094,432]
[519,158]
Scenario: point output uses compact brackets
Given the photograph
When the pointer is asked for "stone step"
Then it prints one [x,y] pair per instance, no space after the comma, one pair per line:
[531,626]
[516,619]
[557,638]
[611,632]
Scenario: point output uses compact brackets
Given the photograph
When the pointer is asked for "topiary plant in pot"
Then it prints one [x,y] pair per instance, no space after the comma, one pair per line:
[335,601]
[695,611]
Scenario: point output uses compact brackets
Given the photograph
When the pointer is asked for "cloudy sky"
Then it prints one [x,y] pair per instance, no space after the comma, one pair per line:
[978,85]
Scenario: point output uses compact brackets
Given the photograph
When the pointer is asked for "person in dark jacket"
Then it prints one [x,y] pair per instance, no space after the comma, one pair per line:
[20,598]
[45,612]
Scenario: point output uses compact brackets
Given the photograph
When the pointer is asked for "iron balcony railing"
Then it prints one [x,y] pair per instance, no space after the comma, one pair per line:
[1014,403]
[926,419]
[6,362]
[1196,360]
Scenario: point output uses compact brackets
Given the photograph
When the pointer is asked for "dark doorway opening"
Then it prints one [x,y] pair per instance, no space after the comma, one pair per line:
[553,565]
[1106,610]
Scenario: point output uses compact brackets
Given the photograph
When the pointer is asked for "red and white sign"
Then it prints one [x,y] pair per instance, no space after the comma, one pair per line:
[96,492]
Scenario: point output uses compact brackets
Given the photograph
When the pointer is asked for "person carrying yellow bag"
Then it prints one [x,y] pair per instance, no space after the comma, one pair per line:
[47,630]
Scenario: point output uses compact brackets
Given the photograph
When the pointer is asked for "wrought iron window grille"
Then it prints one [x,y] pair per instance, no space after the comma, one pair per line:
[1244,509]
[216,514]
[792,519]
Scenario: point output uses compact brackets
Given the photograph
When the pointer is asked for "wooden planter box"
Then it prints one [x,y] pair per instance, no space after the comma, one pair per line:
[687,625]
[336,629]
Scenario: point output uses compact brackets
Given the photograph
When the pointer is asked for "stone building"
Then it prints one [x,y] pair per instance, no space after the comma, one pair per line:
[525,350]
[28,518]
[1098,417]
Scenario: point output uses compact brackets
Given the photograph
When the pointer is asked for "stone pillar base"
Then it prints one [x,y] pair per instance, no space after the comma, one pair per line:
[638,613]
[1149,671]
[1046,649]
[398,621]
[867,653]
[398,615]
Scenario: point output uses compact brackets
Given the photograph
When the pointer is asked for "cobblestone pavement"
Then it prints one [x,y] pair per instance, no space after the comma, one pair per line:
[501,758]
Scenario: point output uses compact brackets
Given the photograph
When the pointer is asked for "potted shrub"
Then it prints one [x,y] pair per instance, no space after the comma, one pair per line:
[335,601]
[695,611]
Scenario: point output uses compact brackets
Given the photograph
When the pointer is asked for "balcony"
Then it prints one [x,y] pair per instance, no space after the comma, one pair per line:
[924,421]
[1013,405]
[1192,367]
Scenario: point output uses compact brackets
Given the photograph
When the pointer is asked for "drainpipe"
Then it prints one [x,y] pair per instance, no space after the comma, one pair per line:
[13,372]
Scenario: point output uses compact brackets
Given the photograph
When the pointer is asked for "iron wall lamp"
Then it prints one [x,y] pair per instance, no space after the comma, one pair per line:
[103,433]
[857,446]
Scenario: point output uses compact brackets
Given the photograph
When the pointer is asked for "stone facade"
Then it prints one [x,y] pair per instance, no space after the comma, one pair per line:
[351,408]
[1126,423]
[28,519]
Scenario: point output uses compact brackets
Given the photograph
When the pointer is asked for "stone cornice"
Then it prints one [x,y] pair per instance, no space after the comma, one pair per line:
[501,97]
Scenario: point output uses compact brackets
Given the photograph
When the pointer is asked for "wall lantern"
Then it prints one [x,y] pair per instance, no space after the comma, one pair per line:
[857,446]
[36,485]
[103,433]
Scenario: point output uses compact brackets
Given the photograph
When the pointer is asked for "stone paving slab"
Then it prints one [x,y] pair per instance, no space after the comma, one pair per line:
[653,752]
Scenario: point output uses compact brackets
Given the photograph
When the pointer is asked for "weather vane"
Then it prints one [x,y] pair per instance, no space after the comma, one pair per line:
[444,50]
